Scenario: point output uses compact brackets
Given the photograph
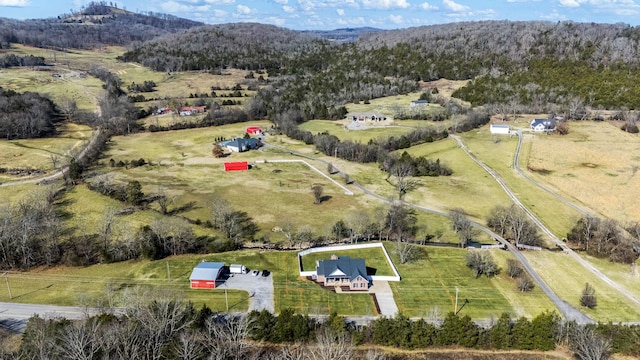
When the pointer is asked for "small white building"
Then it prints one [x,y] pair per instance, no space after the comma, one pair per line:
[500,129]
[415,103]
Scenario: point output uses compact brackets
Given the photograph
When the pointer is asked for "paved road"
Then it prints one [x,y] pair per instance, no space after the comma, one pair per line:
[555,239]
[568,312]
[541,226]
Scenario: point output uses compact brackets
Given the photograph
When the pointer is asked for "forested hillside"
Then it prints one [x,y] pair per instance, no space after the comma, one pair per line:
[97,24]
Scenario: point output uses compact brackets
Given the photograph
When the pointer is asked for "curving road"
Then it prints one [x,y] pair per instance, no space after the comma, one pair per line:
[567,310]
[541,226]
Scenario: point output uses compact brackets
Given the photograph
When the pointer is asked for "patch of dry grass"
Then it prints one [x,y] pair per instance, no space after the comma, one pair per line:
[596,164]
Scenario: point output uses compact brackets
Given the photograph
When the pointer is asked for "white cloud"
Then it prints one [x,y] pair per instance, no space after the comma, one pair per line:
[306,5]
[243,9]
[281,2]
[454,6]
[220,13]
[340,12]
[571,3]
[219,2]
[15,3]
[173,7]
[288,9]
[427,6]
[385,4]
[396,19]
[355,21]
[275,21]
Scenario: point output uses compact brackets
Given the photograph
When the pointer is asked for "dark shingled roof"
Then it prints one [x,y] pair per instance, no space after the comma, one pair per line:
[343,267]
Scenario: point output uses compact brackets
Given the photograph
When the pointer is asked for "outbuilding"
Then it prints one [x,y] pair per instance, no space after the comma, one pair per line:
[499,129]
[236,166]
[254,130]
[205,275]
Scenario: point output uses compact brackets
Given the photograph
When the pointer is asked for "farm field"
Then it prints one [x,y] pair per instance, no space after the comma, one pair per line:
[372,132]
[567,278]
[588,160]
[498,154]
[375,260]
[38,153]
[428,286]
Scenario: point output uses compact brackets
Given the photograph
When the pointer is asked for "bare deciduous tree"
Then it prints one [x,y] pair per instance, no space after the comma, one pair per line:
[462,226]
[329,345]
[587,344]
[317,193]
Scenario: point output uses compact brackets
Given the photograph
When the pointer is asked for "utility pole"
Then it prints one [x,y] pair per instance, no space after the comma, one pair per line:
[226,297]
[455,310]
[6,278]
[168,273]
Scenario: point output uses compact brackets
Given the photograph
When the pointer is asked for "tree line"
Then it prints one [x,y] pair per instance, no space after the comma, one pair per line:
[171,328]
[26,115]
[606,238]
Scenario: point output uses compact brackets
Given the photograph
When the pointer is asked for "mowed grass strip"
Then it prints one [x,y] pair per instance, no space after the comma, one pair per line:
[429,284]
[567,278]
[373,257]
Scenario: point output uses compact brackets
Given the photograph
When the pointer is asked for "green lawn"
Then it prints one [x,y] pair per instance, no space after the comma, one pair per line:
[374,259]
[567,278]
[61,285]
[429,285]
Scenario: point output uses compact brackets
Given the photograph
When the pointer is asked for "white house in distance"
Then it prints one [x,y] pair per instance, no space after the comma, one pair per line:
[543,124]
[499,129]
[415,103]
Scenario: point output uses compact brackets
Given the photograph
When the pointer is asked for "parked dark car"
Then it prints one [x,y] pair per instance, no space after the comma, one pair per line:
[265,273]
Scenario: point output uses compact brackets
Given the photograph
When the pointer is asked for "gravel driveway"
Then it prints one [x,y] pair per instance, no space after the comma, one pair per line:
[260,289]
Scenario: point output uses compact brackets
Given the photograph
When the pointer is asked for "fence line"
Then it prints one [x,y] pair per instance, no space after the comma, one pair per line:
[302,253]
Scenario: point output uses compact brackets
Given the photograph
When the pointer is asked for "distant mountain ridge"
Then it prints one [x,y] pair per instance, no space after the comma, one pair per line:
[344,35]
[97,24]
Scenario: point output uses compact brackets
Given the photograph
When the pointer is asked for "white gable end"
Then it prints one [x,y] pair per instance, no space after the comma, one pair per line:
[337,272]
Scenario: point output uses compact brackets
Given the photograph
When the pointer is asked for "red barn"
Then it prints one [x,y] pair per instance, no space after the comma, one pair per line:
[236,165]
[254,130]
[205,274]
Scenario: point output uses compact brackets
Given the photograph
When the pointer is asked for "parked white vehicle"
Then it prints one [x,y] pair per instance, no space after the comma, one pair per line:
[237,269]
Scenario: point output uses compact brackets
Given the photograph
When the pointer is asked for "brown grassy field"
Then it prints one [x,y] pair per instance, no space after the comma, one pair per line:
[596,164]
[38,153]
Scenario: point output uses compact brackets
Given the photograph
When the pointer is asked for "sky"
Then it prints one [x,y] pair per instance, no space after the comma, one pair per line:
[334,14]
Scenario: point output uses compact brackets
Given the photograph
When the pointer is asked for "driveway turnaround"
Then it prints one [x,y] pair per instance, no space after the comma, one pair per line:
[260,289]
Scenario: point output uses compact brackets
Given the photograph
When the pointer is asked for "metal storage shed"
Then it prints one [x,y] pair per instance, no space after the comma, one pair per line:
[205,274]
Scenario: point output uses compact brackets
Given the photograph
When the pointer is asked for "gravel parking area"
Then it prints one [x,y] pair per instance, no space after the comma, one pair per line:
[260,289]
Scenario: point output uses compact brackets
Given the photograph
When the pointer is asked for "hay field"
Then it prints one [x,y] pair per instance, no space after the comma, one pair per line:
[85,90]
[567,278]
[271,193]
[596,164]
[337,128]
[497,152]
[429,285]
[37,153]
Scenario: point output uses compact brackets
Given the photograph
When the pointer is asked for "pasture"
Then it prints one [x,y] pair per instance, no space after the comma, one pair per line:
[40,153]
[338,128]
[567,278]
[428,288]
[593,157]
